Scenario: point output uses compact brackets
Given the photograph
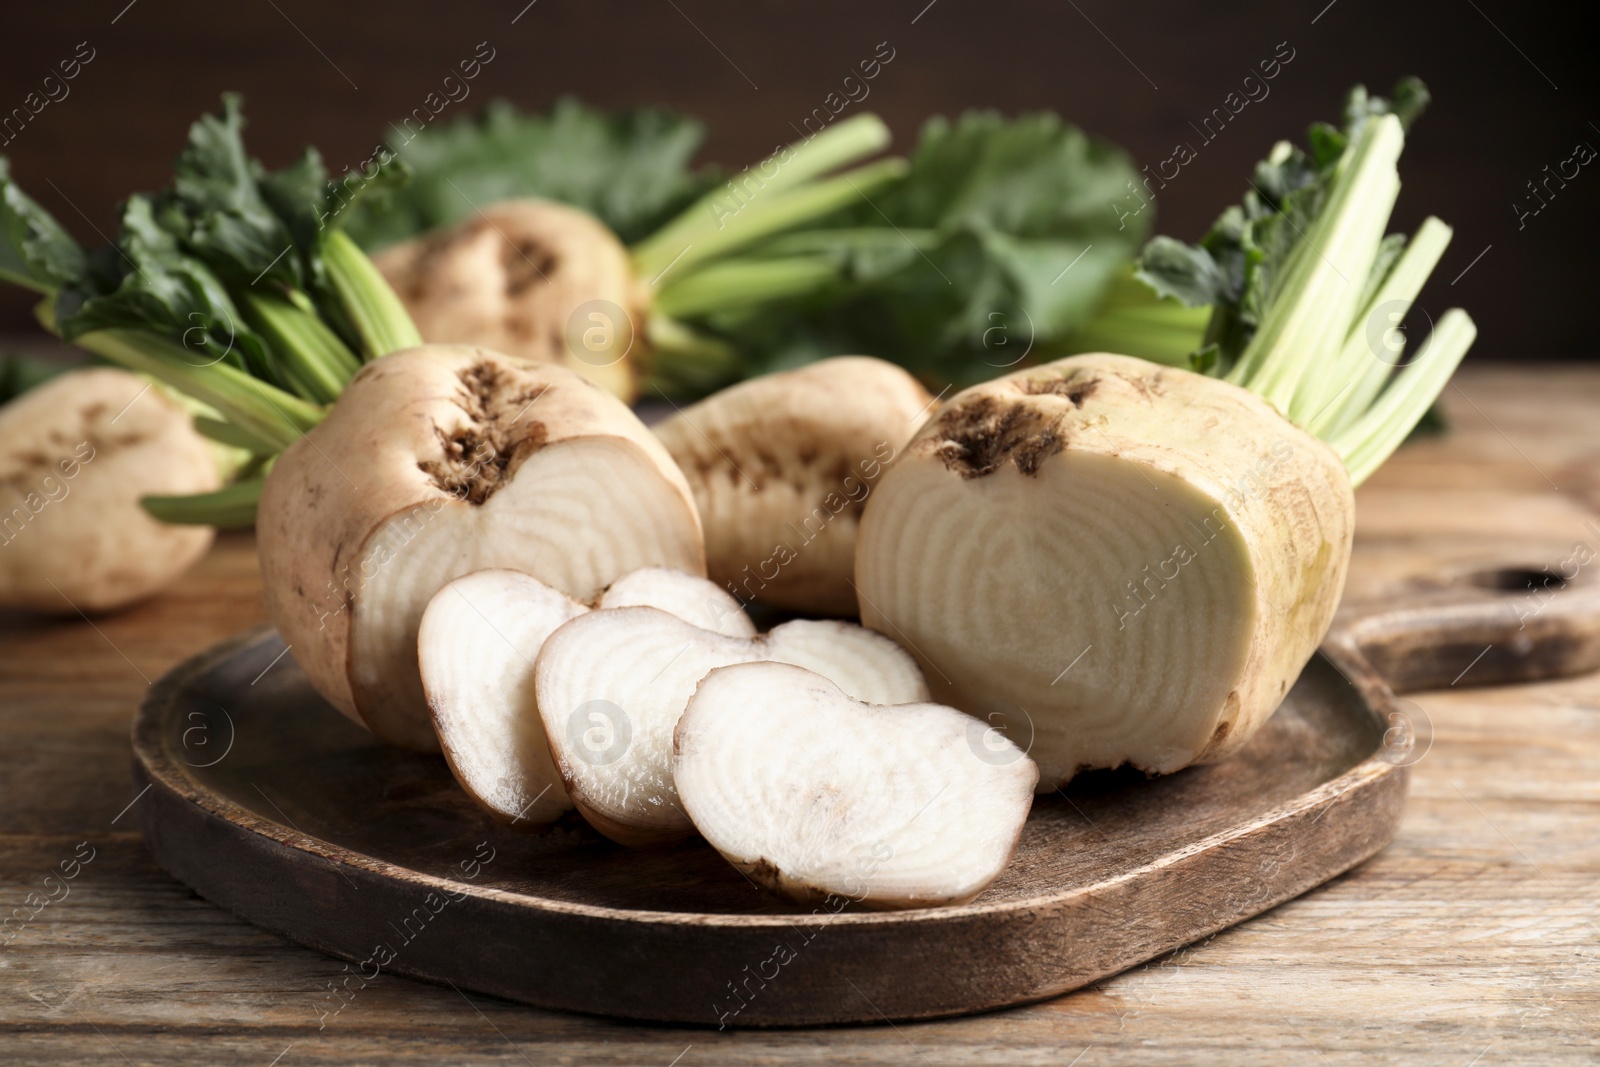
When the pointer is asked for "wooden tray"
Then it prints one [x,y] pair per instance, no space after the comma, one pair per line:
[270,804]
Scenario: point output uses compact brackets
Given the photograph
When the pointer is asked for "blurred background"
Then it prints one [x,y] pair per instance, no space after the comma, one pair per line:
[1513,94]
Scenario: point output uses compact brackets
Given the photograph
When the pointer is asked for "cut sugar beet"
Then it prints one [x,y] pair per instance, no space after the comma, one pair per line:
[477,645]
[436,462]
[813,794]
[612,684]
[1144,571]
[1132,563]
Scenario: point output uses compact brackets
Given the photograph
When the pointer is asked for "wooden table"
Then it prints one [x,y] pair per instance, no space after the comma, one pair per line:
[1471,940]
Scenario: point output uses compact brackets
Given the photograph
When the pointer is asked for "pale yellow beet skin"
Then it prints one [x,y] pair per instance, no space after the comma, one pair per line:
[1095,468]
[76,454]
[780,466]
[517,277]
[353,513]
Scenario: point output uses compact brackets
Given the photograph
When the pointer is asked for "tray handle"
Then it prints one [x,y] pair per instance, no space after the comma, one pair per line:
[1485,625]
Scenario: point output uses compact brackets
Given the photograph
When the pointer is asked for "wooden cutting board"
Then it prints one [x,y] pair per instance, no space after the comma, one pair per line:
[272,805]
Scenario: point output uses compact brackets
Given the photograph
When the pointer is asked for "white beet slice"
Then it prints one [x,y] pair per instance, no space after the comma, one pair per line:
[812,793]
[612,684]
[477,644]
[479,639]
[878,672]
[688,596]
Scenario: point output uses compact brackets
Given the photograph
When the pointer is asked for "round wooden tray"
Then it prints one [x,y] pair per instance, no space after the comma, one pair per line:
[272,805]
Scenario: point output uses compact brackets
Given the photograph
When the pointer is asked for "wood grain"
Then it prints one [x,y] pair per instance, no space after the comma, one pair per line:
[1471,936]
[272,805]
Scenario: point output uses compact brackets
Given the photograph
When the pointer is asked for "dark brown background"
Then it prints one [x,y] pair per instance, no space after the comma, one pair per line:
[1502,110]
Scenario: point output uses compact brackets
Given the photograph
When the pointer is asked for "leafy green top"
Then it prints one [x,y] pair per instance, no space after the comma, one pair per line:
[1237,268]
[35,252]
[631,169]
[233,284]
[999,236]
[1308,295]
[1002,235]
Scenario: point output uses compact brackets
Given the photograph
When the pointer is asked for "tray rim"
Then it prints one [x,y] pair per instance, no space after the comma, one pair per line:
[986,956]
[154,765]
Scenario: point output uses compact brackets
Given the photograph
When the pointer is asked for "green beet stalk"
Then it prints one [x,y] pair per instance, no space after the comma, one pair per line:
[371,303]
[231,434]
[230,507]
[1132,320]
[1358,364]
[696,361]
[765,216]
[744,283]
[1313,312]
[267,413]
[1377,433]
[1311,357]
[311,354]
[787,169]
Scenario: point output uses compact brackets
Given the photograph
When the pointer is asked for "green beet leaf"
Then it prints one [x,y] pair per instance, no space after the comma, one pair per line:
[34,250]
[1239,266]
[631,169]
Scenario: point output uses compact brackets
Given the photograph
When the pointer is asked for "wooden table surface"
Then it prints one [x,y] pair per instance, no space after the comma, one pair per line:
[1472,940]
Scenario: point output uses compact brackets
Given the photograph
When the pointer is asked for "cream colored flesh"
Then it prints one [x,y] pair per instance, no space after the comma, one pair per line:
[1120,563]
[479,639]
[813,794]
[691,598]
[603,487]
[436,462]
[612,684]
[1089,628]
